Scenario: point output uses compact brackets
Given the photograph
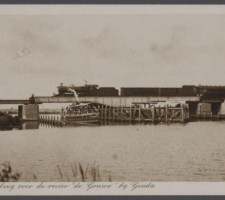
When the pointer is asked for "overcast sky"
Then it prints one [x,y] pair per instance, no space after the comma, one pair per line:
[39,52]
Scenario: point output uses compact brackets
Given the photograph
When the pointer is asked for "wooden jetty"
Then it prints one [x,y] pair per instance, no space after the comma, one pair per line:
[136,113]
[52,120]
[147,113]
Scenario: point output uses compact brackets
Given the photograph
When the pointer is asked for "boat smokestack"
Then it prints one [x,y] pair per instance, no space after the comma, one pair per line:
[75,94]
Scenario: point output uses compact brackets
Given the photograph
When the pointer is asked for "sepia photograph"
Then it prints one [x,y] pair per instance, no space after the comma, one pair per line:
[112,97]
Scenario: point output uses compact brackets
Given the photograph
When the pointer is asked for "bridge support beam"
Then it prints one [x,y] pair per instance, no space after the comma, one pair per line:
[29,112]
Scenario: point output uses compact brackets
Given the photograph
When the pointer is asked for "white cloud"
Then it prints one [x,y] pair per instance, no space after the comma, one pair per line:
[141,50]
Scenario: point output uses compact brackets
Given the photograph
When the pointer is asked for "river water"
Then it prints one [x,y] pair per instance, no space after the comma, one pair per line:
[177,152]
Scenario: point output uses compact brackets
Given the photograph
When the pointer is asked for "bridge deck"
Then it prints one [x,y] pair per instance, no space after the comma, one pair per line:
[114,101]
[14,101]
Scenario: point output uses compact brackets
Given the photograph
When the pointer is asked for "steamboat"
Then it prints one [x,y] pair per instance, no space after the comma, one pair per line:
[80,114]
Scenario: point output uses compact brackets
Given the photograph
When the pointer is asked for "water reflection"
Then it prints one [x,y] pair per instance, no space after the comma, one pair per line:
[30,125]
[49,125]
[21,126]
[6,128]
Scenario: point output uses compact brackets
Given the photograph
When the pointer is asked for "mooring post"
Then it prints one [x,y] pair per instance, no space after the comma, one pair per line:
[153,113]
[139,113]
[109,113]
[166,113]
[113,113]
[182,113]
[100,112]
[158,110]
[117,113]
[121,113]
[105,113]
[130,113]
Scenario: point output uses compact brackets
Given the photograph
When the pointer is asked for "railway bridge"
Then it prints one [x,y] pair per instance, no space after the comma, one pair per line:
[29,108]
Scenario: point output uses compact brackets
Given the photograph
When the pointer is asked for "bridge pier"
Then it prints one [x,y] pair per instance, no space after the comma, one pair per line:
[222,109]
[28,112]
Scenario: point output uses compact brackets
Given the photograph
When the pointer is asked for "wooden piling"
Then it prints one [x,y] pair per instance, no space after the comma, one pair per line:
[139,113]
[182,113]
[109,113]
[105,113]
[153,113]
[114,113]
[166,114]
[121,113]
[130,114]
[102,113]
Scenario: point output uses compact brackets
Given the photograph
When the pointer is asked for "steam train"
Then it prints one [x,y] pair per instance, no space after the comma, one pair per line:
[206,92]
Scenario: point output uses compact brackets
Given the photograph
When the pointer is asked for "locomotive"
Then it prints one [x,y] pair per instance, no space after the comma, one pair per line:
[86,90]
